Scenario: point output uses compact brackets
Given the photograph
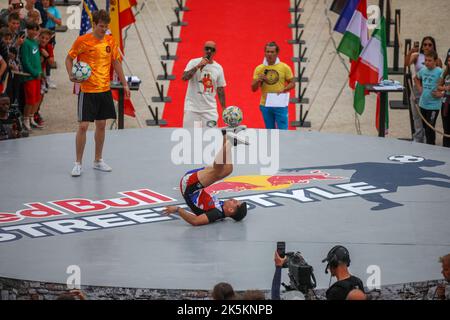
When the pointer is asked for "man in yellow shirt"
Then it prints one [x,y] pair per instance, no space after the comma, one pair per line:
[95,102]
[273,76]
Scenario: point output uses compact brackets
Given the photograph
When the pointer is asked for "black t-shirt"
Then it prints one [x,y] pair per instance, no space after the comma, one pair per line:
[340,289]
[214,215]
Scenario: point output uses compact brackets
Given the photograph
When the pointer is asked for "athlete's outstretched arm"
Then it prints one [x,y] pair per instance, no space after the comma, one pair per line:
[187,216]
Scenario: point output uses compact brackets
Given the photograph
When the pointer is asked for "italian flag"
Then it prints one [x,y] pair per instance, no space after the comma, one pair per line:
[356,36]
[371,66]
[355,39]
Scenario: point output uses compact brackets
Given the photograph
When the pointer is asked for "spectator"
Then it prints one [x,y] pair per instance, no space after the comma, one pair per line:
[14,7]
[356,294]
[444,85]
[47,57]
[34,16]
[338,261]
[276,282]
[206,77]
[8,130]
[416,56]
[442,291]
[31,62]
[72,295]
[253,295]
[54,18]
[14,28]
[273,76]
[223,291]
[427,81]
[29,6]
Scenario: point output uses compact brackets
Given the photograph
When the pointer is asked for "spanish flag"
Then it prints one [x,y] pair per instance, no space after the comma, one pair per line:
[121,14]
[121,17]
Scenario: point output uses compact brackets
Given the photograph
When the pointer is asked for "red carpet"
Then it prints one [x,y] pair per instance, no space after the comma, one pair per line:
[240,28]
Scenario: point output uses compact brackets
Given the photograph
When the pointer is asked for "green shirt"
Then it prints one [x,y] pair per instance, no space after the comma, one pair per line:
[30,57]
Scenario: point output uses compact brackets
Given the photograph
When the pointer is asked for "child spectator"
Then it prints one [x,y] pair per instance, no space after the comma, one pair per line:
[34,16]
[31,62]
[442,290]
[444,85]
[54,19]
[47,57]
[29,6]
[430,104]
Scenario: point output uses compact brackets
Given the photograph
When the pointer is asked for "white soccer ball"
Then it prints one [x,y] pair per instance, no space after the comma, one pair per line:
[81,71]
[232,116]
[406,158]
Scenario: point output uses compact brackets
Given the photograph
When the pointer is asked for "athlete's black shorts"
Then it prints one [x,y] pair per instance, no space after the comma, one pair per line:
[95,106]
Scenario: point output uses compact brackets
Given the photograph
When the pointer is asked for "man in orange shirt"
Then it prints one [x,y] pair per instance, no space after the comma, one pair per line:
[95,102]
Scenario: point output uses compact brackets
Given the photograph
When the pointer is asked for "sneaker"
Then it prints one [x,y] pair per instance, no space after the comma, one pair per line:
[102,166]
[233,129]
[237,140]
[26,124]
[35,125]
[76,171]
[51,84]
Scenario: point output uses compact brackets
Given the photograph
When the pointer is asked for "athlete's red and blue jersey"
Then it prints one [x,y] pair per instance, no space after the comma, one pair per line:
[199,200]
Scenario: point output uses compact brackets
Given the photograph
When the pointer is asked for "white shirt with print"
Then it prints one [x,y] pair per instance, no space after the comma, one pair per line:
[202,87]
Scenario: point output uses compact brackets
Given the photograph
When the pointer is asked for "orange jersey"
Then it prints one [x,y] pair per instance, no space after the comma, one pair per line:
[98,54]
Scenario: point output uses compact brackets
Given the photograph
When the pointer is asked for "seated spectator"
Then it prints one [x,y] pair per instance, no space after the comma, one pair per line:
[223,291]
[276,283]
[338,261]
[8,130]
[442,290]
[253,295]
[72,295]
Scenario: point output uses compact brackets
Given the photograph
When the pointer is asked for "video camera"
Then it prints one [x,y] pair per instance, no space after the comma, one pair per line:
[301,274]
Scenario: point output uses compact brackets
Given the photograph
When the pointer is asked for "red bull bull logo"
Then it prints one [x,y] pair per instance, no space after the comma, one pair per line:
[275,182]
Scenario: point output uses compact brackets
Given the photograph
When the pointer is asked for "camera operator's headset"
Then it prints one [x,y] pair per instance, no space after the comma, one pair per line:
[335,255]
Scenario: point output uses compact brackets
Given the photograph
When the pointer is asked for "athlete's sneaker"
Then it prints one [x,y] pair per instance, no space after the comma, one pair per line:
[235,139]
[233,129]
[102,166]
[76,171]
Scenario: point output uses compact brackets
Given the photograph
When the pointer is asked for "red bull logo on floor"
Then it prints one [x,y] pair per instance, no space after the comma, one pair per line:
[266,183]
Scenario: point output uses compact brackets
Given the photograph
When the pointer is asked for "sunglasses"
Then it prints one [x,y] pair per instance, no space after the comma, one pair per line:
[210,49]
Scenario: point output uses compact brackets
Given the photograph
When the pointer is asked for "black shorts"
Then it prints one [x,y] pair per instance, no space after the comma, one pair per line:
[95,106]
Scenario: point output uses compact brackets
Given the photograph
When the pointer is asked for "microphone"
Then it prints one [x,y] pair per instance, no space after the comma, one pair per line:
[326,269]
[208,55]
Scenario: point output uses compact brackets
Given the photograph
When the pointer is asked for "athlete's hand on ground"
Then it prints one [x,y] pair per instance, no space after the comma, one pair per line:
[170,209]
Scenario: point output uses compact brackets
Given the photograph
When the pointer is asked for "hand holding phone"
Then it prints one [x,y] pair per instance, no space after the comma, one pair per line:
[281,249]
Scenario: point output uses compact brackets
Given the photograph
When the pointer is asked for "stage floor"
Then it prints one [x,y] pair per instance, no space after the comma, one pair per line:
[390,212]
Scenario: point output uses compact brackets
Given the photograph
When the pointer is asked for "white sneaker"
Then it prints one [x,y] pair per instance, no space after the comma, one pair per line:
[76,171]
[235,140]
[102,166]
[233,129]
[51,84]
[26,123]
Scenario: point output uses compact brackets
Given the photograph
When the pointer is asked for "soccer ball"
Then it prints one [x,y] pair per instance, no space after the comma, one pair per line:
[232,116]
[81,71]
[406,158]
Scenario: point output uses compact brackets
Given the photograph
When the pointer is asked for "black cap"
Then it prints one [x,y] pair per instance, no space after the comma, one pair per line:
[337,254]
[241,212]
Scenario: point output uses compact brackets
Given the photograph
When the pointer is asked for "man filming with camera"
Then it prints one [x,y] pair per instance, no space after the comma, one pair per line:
[338,261]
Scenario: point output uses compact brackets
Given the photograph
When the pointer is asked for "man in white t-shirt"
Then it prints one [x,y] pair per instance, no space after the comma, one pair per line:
[206,78]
